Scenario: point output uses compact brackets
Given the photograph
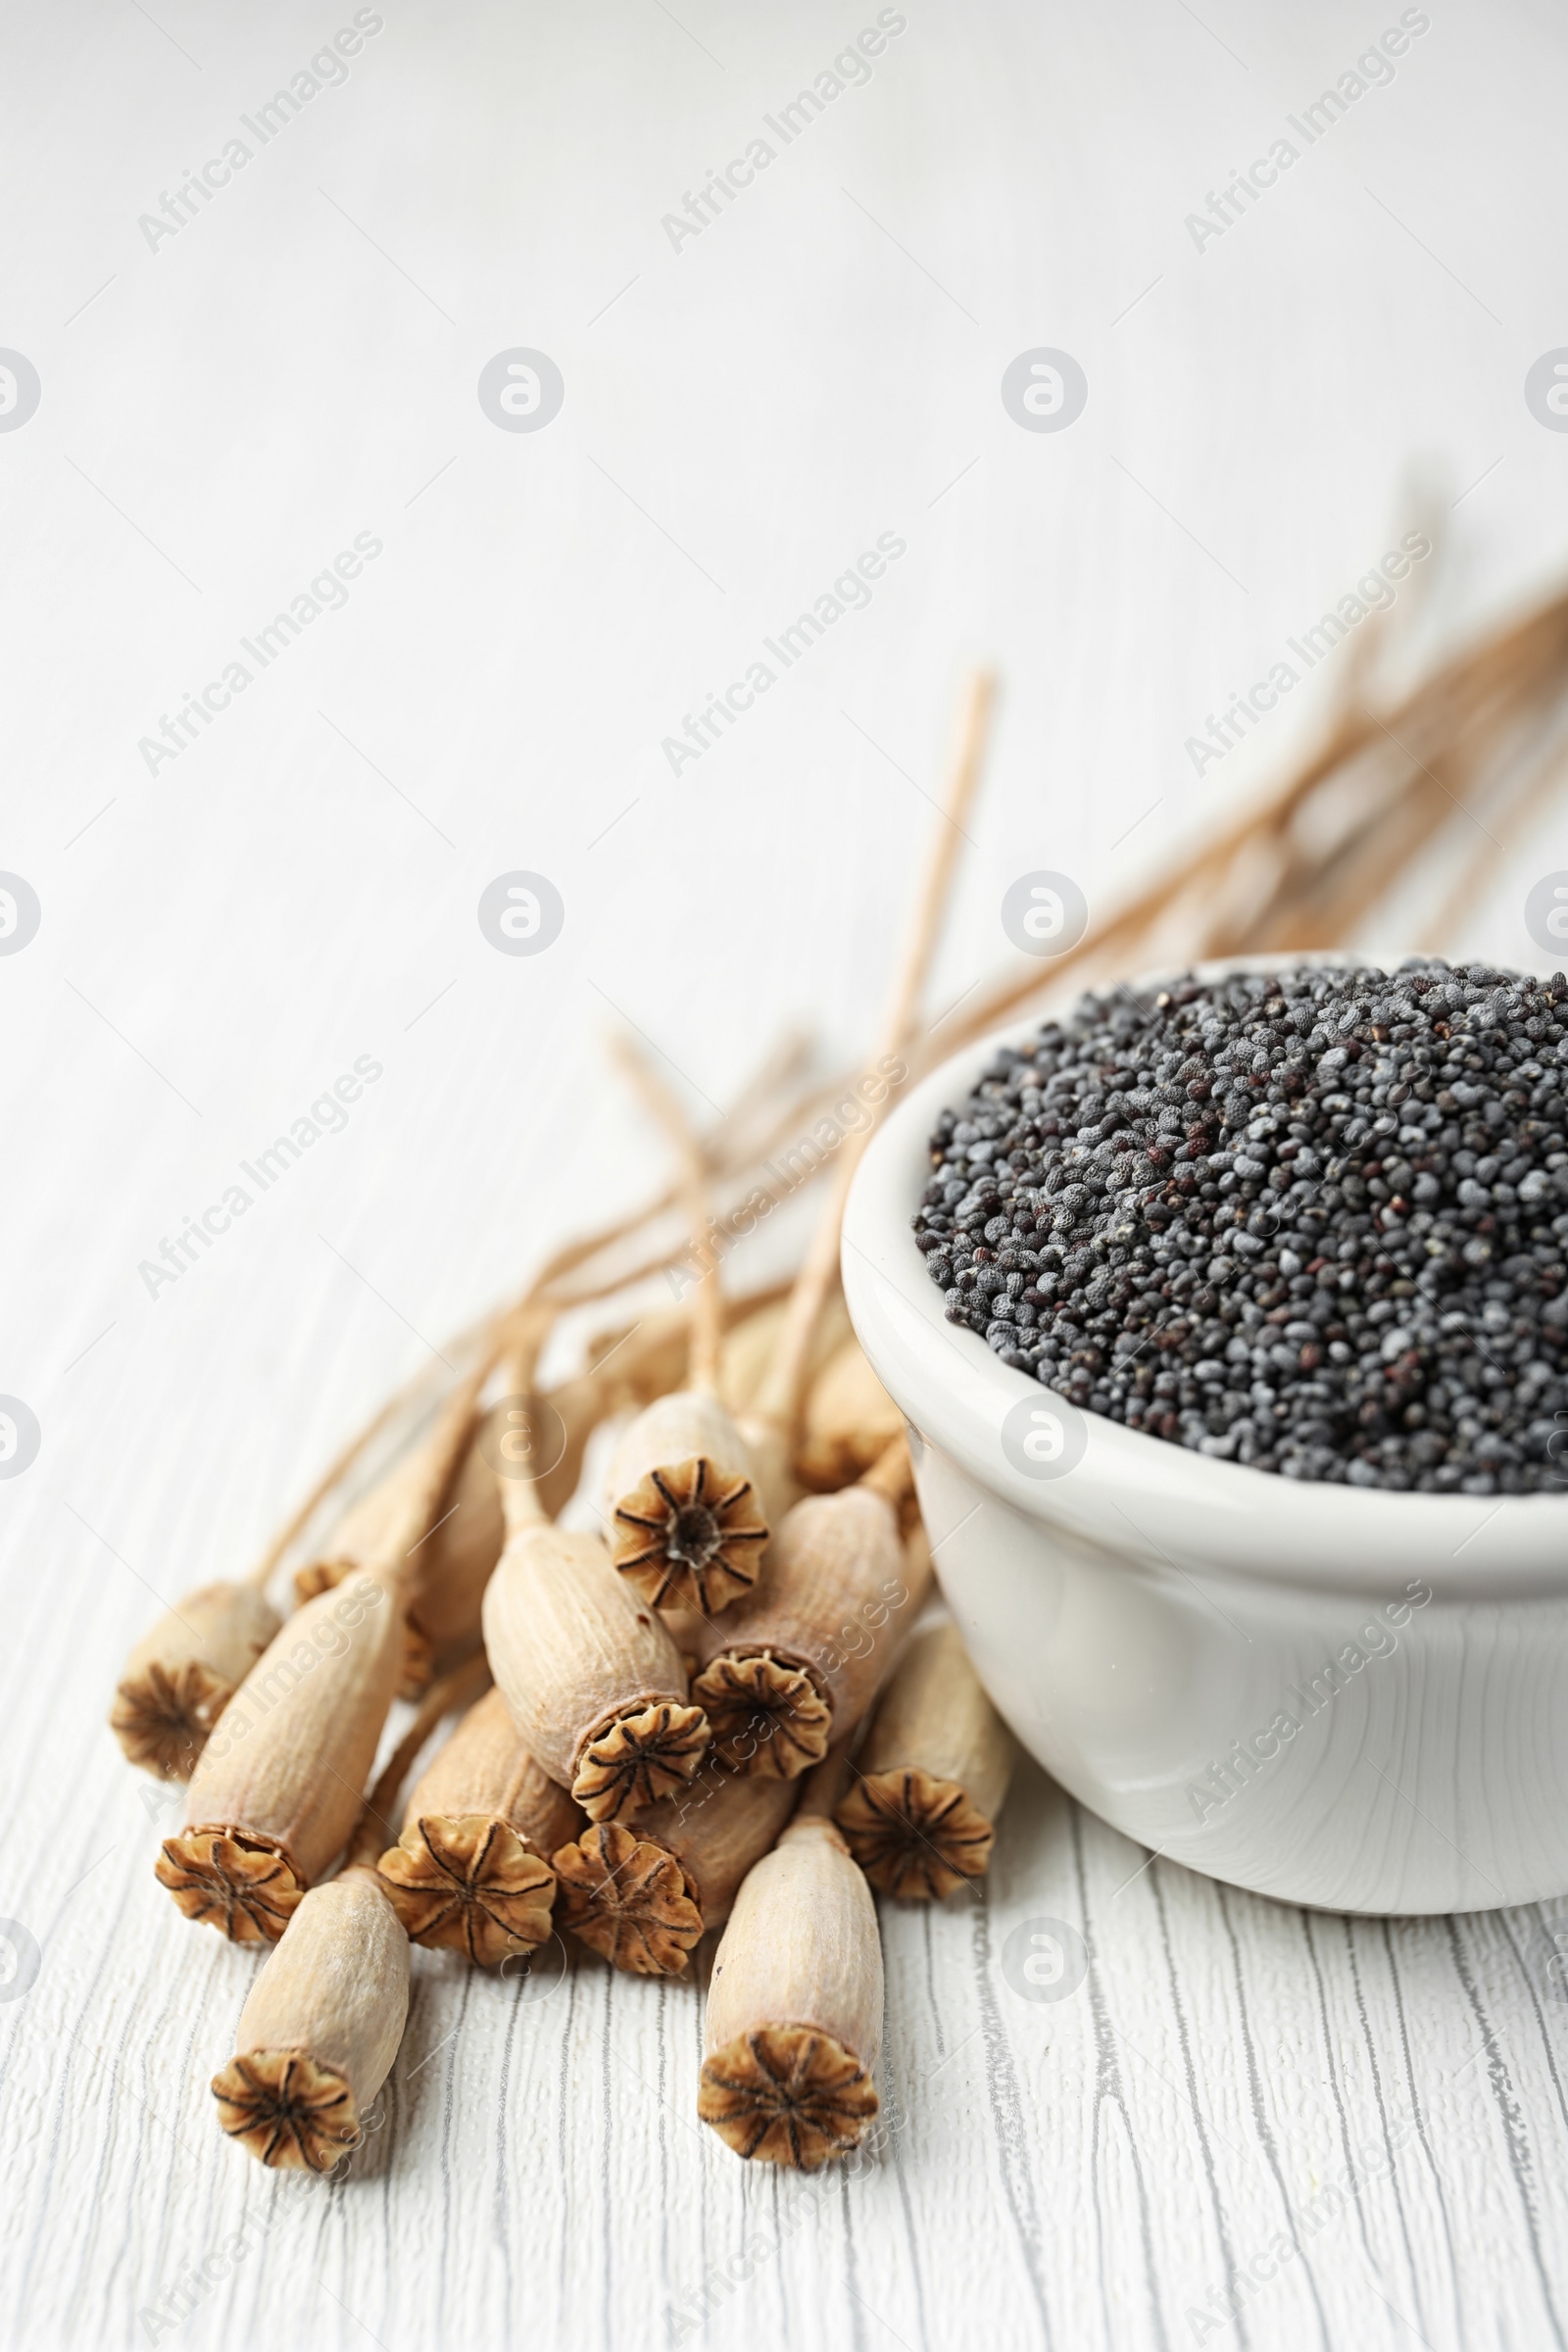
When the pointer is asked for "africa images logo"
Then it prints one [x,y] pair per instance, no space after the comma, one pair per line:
[521,390]
[1044,390]
[1545,390]
[1044,1435]
[19,390]
[522,913]
[20,1437]
[20,914]
[1545,915]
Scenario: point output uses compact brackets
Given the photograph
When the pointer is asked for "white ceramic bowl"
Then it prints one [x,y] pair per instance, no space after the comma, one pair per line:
[1235,1667]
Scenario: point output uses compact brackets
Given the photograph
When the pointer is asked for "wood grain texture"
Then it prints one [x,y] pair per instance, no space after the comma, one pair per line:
[298,890]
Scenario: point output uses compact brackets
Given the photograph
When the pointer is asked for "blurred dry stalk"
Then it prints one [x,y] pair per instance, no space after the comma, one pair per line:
[1401,781]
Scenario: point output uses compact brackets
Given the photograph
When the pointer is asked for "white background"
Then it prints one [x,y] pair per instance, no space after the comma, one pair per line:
[743,415]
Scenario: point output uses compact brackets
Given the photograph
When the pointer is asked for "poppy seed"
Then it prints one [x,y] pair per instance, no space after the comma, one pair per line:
[1312,1221]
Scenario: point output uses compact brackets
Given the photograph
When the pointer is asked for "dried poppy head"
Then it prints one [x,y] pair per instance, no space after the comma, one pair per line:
[689,1536]
[162,1716]
[277,1790]
[914,1835]
[793,2015]
[637,1757]
[766,1713]
[644,1895]
[932,1774]
[629,1899]
[319,2029]
[247,1887]
[795,1665]
[471,1883]
[286,2110]
[593,1682]
[787,2095]
[181,1675]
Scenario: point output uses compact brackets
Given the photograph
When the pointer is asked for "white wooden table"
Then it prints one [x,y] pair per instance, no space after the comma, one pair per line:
[1358,2130]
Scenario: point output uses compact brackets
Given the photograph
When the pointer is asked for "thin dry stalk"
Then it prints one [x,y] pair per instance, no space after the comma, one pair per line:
[1542,780]
[736,1150]
[779,1402]
[707,1311]
[1462,708]
[687,1529]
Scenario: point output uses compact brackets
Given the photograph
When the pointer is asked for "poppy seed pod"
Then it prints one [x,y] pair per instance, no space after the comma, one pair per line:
[471,1871]
[320,2030]
[278,1787]
[182,1674]
[793,1668]
[931,1774]
[794,2018]
[686,1527]
[644,1894]
[593,1682]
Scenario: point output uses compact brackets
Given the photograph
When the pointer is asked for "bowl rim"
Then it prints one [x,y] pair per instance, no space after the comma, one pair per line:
[957,1392]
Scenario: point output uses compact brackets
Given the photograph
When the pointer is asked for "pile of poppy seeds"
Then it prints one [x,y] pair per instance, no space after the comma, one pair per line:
[1314,1221]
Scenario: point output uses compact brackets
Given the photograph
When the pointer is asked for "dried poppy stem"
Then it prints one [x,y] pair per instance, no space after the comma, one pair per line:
[687,1529]
[321,2025]
[737,1150]
[593,1682]
[471,1871]
[772,1427]
[797,1666]
[349,1453]
[276,1790]
[644,1895]
[1518,667]
[707,1311]
[181,1675]
[932,1774]
[793,2015]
